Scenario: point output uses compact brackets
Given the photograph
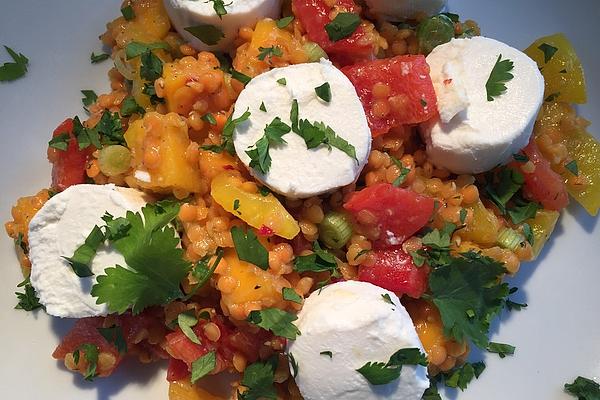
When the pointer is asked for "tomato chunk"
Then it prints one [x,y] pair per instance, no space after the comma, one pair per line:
[68,166]
[315,14]
[543,184]
[395,270]
[394,91]
[398,213]
[177,370]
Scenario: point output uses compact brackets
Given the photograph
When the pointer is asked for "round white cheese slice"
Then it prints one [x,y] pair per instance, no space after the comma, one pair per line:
[58,229]
[399,10]
[474,134]
[344,326]
[296,171]
[190,13]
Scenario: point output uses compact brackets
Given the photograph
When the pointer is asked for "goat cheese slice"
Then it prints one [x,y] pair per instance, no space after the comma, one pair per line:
[189,13]
[472,134]
[58,229]
[399,10]
[296,171]
[344,326]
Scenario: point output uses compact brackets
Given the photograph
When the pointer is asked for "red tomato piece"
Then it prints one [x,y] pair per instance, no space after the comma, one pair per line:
[395,270]
[68,167]
[177,370]
[404,93]
[315,14]
[399,213]
[543,184]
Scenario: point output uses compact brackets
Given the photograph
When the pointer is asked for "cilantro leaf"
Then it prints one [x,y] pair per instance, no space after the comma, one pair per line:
[60,142]
[186,321]
[317,133]
[151,67]
[114,336]
[11,71]
[206,33]
[203,366]
[249,248]
[502,186]
[468,294]
[90,353]
[282,81]
[129,106]
[285,21]
[343,25]
[202,272]
[501,349]
[403,172]
[258,379]
[262,107]
[294,117]
[150,91]
[273,51]
[324,92]
[583,389]
[136,49]
[155,263]
[495,85]
[260,159]
[431,393]
[294,365]
[82,258]
[572,167]
[90,98]
[319,261]
[386,297]
[96,58]
[28,300]
[219,7]
[548,51]
[522,211]
[209,118]
[128,12]
[290,294]
[275,320]
[229,128]
[238,76]
[380,373]
[461,376]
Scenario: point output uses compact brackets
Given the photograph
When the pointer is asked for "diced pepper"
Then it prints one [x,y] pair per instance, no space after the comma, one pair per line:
[184,390]
[483,228]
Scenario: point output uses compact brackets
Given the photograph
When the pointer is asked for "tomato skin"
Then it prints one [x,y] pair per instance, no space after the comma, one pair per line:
[68,167]
[543,184]
[400,213]
[410,85]
[314,15]
[395,270]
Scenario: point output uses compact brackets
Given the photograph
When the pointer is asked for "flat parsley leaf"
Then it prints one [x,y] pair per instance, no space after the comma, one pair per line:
[324,92]
[461,376]
[28,300]
[60,142]
[343,25]
[275,320]
[136,49]
[249,249]
[82,258]
[548,51]
[501,187]
[260,159]
[583,389]
[114,336]
[317,133]
[202,271]
[319,261]
[90,353]
[152,67]
[403,172]
[129,106]
[229,128]
[290,294]
[96,58]
[219,7]
[186,321]
[89,99]
[206,33]
[128,12]
[155,263]
[284,22]
[380,373]
[495,85]
[258,380]
[501,349]
[11,71]
[203,366]
[269,52]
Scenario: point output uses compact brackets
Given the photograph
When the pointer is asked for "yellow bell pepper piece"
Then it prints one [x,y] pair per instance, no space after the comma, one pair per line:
[255,209]
[184,390]
[484,227]
[542,226]
[561,68]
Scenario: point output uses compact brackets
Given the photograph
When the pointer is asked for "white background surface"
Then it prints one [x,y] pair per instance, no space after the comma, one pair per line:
[557,337]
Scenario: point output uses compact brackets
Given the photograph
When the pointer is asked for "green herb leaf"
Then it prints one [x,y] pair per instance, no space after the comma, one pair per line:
[342,26]
[129,106]
[431,393]
[528,233]
[583,389]
[495,85]
[523,211]
[219,7]
[260,159]
[294,117]
[81,260]
[294,365]
[386,297]
[285,21]
[548,50]
[379,373]
[273,51]
[90,353]
[202,271]
[136,49]
[249,249]
[290,294]
[60,142]
[275,320]
[327,353]
[238,76]
[502,190]
[186,321]
[151,67]
[403,172]
[572,167]
[552,97]
[209,118]
[463,215]
[460,377]
[320,261]
[114,336]
[501,349]
[128,13]
[28,300]
[90,98]
[282,81]
[203,366]
[262,107]
[207,34]
[317,133]
[258,379]
[229,128]
[150,91]
[97,58]
[522,158]
[154,259]
[11,71]
[324,92]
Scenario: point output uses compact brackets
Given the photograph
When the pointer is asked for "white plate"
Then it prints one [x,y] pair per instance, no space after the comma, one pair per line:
[557,337]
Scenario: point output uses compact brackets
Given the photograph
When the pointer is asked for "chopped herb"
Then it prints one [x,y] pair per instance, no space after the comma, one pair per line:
[209,118]
[219,7]
[273,51]
[89,98]
[262,107]
[154,259]
[207,34]
[258,379]
[275,320]
[511,305]
[264,192]
[522,158]
[583,389]
[224,61]
[150,91]
[285,21]
[461,376]
[327,353]
[236,204]
[294,117]
[114,336]
[81,260]
[203,366]
[342,26]
[317,133]
[552,97]
[60,142]
[522,210]
[563,71]
[380,373]
[360,253]
[431,393]
[238,76]
[423,103]
[229,128]
[501,349]
[548,50]
[90,353]
[403,172]
[453,17]
[28,300]
[572,167]
[495,85]
[290,294]
[294,365]
[20,242]
[11,71]
[249,249]
[260,159]
[282,81]
[319,261]
[528,233]
[186,321]
[324,92]
[128,13]
[386,297]
[136,49]
[96,58]
[129,106]
[463,215]
[501,192]
[202,271]
[151,67]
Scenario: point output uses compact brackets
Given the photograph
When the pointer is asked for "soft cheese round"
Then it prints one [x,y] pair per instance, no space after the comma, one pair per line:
[296,171]
[187,13]
[353,321]
[58,229]
[473,134]
[399,10]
